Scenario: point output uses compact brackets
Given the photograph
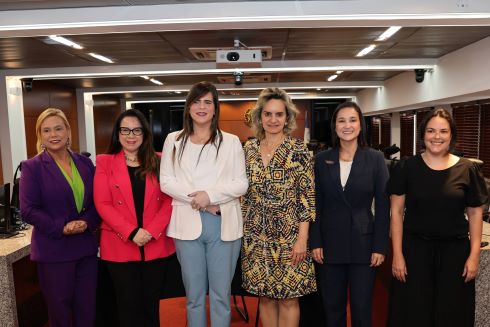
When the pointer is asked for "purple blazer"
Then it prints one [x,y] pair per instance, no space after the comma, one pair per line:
[47,203]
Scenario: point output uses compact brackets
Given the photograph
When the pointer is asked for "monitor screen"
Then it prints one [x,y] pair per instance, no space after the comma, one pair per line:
[5,207]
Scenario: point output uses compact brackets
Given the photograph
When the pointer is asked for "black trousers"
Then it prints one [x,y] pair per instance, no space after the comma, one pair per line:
[338,279]
[138,286]
[435,294]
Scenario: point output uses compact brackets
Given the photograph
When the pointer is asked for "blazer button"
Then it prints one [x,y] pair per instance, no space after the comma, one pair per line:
[158,199]
[119,202]
[116,185]
[84,209]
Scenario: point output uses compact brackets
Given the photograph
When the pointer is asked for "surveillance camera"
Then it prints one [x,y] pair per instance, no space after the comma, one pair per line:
[419,75]
[27,84]
[238,78]
[232,56]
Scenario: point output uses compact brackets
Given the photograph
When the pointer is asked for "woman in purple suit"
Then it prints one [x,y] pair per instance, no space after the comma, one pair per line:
[56,198]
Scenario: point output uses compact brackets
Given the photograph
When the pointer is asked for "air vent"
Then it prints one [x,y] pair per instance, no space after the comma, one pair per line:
[209,54]
[246,79]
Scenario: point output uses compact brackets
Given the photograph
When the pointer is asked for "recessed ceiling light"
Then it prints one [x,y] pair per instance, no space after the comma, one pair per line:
[366,50]
[101,58]
[388,33]
[145,77]
[331,78]
[318,89]
[338,72]
[65,41]
[155,81]
[178,92]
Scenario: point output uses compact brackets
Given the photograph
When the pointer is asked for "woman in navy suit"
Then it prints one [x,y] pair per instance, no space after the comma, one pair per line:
[347,239]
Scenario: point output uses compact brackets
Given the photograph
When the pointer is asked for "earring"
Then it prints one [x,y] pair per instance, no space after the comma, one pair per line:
[68,143]
[43,147]
[286,124]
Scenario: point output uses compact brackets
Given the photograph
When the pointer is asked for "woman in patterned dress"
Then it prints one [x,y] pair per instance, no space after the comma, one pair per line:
[278,207]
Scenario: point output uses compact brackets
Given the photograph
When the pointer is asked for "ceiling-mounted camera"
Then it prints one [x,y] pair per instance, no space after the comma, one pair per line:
[419,75]
[238,78]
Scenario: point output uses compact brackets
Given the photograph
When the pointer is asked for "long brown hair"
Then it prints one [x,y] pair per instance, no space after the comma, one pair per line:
[196,92]
[361,138]
[149,161]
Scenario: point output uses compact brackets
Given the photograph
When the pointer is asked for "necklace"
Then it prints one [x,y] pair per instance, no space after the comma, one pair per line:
[271,148]
[131,159]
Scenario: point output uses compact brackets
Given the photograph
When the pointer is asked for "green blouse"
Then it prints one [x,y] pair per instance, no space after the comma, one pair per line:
[76,184]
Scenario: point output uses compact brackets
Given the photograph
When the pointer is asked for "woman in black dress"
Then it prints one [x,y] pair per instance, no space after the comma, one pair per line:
[434,261]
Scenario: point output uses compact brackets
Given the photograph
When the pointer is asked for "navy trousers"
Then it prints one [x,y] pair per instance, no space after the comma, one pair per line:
[336,280]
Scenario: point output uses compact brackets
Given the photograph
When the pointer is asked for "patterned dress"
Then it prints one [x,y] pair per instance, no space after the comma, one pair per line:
[279,197]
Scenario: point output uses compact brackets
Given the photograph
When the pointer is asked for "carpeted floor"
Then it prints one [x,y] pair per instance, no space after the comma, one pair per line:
[172,311]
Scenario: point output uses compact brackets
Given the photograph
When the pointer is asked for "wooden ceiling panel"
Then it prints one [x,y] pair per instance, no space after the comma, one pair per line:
[32,53]
[131,48]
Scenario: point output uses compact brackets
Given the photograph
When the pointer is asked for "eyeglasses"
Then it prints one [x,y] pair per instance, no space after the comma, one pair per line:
[126,131]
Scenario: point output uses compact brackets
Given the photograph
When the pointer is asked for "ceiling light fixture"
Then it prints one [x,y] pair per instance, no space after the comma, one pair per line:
[157,82]
[145,77]
[101,58]
[331,78]
[338,72]
[388,33]
[65,41]
[366,50]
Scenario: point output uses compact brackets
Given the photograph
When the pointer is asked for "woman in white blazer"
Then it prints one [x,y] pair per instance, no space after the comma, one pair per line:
[203,170]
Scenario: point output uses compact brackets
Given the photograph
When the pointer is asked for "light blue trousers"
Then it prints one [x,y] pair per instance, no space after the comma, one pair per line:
[208,262]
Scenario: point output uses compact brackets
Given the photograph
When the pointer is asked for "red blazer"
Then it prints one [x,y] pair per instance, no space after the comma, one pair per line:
[113,199]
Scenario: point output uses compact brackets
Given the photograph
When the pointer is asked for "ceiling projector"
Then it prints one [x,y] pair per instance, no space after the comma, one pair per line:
[238,58]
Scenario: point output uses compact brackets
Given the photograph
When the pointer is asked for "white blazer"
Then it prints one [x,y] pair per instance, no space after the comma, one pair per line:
[232,182]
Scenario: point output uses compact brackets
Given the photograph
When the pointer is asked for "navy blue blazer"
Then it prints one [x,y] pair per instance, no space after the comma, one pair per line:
[345,226]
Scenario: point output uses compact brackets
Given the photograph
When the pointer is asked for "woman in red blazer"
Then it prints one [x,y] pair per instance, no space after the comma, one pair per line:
[135,215]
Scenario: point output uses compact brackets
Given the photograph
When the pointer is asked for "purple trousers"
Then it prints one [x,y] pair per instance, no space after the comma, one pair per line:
[69,289]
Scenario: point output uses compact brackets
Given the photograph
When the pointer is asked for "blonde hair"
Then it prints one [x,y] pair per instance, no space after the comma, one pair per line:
[50,112]
[269,94]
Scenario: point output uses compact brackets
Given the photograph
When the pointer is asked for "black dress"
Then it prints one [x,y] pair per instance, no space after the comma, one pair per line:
[435,243]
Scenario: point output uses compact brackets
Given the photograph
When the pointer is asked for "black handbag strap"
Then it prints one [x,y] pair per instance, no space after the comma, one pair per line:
[19,168]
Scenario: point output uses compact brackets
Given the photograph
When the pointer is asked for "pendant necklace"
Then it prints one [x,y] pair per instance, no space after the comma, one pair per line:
[131,159]
[269,150]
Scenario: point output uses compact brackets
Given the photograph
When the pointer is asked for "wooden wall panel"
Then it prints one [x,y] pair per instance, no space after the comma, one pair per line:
[375,122]
[106,111]
[48,95]
[385,131]
[406,134]
[232,118]
[467,122]
[485,139]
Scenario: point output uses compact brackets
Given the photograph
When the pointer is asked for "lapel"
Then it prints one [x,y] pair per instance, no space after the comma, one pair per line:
[151,187]
[355,169]
[119,172]
[177,165]
[56,177]
[224,153]
[332,162]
